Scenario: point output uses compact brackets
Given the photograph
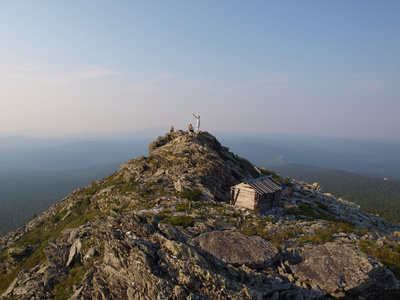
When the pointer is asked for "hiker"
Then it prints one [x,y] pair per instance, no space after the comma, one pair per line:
[284,189]
[198,123]
[290,195]
[190,129]
[171,130]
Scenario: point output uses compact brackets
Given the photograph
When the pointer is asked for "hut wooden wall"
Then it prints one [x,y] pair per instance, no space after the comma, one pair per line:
[277,200]
[246,196]
[265,202]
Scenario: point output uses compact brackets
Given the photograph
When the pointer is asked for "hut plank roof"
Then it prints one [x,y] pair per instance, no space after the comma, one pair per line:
[264,185]
[261,193]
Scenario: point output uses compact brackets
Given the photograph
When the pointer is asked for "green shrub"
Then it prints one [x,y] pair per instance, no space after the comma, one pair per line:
[115,179]
[182,206]
[93,188]
[55,218]
[202,214]
[130,186]
[254,229]
[276,177]
[266,172]
[191,195]
[321,205]
[309,212]
[122,208]
[182,221]
[345,227]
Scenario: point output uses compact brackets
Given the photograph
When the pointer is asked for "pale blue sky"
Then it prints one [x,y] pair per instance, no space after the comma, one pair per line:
[318,67]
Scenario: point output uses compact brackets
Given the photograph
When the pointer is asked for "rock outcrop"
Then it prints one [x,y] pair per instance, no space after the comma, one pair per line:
[238,249]
[159,229]
[341,270]
[179,161]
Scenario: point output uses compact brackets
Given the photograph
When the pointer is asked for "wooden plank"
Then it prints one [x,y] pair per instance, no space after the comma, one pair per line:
[245,205]
[262,205]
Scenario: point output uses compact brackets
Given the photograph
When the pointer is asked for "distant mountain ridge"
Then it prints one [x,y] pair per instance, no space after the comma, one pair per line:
[42,154]
[372,158]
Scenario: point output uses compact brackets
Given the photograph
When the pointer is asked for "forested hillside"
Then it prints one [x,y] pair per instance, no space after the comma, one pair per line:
[26,193]
[36,173]
[374,195]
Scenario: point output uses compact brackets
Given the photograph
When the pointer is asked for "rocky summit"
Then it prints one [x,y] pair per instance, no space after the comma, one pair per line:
[162,228]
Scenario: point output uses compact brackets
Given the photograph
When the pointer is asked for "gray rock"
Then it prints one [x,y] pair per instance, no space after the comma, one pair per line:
[342,270]
[9,289]
[239,249]
[74,251]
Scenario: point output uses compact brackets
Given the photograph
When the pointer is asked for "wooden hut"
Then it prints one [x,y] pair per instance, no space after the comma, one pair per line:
[262,193]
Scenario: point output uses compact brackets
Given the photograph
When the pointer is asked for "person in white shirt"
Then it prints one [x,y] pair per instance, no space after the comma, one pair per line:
[198,123]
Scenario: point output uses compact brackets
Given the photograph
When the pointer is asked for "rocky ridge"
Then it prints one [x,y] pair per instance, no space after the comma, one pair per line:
[159,229]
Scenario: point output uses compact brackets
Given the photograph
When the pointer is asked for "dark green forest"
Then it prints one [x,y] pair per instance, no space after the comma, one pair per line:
[374,195]
[24,194]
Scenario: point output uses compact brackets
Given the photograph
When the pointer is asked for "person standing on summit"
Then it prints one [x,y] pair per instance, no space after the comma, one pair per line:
[198,123]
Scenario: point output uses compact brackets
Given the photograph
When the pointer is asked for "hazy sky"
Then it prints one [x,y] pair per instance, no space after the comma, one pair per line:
[298,67]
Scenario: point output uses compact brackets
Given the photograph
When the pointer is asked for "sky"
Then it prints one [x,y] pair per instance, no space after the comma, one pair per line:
[311,67]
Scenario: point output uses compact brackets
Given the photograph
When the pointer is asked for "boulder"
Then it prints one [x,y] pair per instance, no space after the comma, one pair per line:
[20,251]
[238,249]
[343,270]
[74,251]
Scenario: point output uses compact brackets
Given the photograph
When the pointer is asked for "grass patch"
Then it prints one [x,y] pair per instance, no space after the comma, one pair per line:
[254,230]
[389,256]
[259,230]
[326,234]
[63,290]
[320,237]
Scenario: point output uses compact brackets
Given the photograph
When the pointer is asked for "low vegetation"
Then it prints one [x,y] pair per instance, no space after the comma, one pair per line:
[191,195]
[374,195]
[389,256]
[183,221]
[64,289]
